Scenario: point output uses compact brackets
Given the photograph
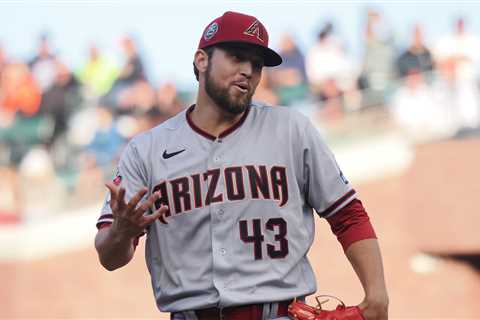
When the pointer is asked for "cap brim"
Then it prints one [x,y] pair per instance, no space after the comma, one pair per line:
[271,58]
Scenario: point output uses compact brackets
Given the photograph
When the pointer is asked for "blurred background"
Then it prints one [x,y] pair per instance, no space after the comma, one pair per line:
[393,87]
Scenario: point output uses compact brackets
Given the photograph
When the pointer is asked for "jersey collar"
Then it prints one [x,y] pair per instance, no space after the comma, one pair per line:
[224,133]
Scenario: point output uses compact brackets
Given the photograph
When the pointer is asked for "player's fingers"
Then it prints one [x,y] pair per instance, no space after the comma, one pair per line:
[113,197]
[163,215]
[120,200]
[147,204]
[132,204]
[113,190]
[159,214]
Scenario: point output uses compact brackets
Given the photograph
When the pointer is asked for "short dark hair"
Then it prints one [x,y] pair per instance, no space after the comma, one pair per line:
[209,51]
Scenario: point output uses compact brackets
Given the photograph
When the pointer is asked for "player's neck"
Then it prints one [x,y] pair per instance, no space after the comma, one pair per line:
[212,118]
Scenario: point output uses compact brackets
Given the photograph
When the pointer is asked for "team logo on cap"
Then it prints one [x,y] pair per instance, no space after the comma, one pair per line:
[255,30]
[210,32]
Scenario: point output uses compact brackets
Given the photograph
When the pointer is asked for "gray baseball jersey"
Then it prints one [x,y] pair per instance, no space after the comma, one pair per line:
[240,222]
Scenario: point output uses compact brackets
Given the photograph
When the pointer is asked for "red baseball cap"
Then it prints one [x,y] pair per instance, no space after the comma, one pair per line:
[238,27]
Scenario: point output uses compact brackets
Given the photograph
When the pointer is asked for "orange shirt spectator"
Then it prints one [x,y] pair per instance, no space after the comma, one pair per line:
[18,91]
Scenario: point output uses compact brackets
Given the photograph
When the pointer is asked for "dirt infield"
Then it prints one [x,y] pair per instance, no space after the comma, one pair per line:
[428,209]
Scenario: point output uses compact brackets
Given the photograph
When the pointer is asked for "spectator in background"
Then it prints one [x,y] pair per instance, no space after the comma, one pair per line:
[20,129]
[414,105]
[8,181]
[417,111]
[377,73]
[131,81]
[95,161]
[154,106]
[289,80]
[417,58]
[462,48]
[20,123]
[265,92]
[20,94]
[132,70]
[138,97]
[168,101]
[458,60]
[99,73]
[43,65]
[61,100]
[330,71]
[107,140]
[3,59]
[149,119]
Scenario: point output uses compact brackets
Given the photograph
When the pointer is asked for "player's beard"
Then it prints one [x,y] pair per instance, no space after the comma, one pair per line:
[222,97]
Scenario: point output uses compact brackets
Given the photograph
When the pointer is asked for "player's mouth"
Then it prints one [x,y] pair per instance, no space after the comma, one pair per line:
[242,86]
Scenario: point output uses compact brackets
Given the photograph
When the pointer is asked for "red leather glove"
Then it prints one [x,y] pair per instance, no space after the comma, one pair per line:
[299,310]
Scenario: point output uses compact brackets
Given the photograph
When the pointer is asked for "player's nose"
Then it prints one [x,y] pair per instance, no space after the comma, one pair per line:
[246,69]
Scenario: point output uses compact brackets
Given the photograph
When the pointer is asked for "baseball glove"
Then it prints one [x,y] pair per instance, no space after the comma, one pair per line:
[299,310]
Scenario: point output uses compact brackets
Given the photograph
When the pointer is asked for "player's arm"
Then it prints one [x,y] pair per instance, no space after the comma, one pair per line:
[366,260]
[331,195]
[355,233]
[116,244]
[114,250]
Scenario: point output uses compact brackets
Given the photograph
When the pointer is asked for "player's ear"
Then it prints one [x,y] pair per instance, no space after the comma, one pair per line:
[201,60]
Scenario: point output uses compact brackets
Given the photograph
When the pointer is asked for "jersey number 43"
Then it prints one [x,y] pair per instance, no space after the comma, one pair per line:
[276,225]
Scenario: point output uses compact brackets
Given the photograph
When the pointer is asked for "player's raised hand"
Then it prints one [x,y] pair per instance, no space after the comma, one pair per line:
[129,218]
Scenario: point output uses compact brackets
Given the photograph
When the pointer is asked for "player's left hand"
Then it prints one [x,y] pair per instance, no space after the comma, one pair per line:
[375,307]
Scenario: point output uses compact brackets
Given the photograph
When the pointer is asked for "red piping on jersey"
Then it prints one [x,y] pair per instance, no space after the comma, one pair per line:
[105,216]
[337,203]
[224,133]
[103,225]
[351,224]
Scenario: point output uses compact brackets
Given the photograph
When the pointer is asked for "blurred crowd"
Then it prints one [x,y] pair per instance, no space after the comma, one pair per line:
[427,89]
[61,130]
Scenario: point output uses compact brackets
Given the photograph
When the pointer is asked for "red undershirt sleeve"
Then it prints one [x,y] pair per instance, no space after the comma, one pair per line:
[351,224]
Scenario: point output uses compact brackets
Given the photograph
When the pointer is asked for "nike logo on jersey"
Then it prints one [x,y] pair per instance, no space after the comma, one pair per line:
[166,155]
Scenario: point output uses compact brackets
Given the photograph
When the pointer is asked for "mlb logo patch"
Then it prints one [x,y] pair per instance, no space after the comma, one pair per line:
[211,31]
[117,180]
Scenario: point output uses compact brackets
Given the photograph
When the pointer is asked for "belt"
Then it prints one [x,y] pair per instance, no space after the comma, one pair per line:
[246,312]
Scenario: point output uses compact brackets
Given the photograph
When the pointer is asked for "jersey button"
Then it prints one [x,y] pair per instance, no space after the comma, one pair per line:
[223,251]
[220,212]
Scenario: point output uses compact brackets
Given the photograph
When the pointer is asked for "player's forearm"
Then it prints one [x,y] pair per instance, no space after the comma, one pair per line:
[366,260]
[114,251]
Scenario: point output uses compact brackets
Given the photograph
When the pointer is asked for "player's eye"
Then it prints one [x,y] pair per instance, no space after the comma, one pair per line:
[238,57]
[257,65]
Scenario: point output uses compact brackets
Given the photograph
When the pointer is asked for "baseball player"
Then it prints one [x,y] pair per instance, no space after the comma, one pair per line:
[224,192]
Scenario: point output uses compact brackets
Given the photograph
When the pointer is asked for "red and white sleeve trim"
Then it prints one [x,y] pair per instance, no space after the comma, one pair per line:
[104,220]
[339,204]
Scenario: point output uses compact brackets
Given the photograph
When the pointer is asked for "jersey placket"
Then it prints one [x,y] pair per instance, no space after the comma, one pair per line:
[218,231]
